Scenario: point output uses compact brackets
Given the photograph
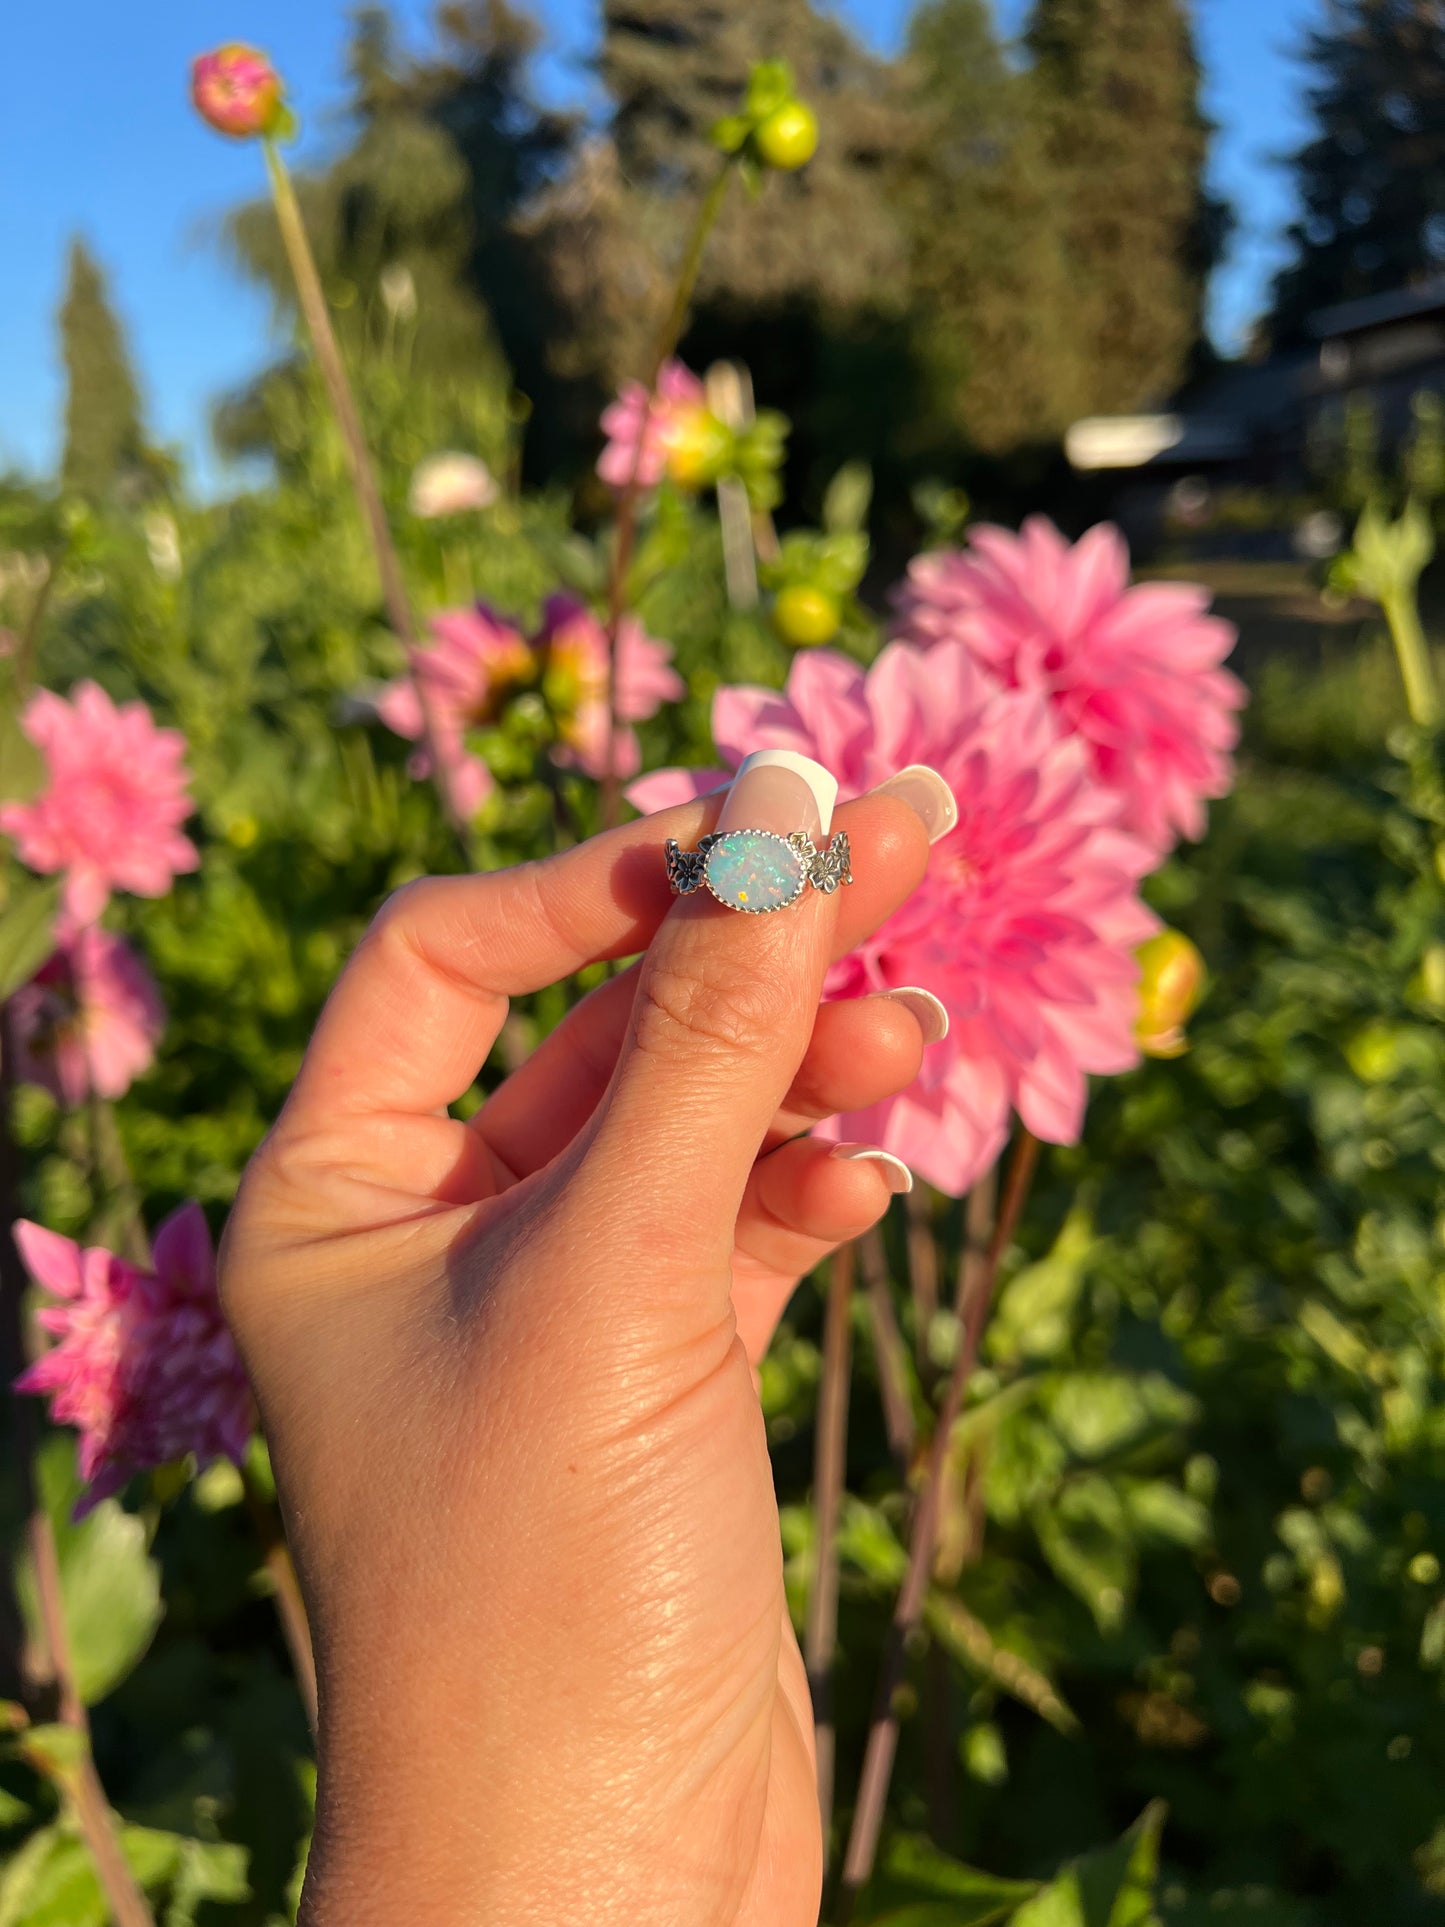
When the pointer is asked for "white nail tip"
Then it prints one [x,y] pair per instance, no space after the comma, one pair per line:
[820,781]
[931,1014]
[895,1171]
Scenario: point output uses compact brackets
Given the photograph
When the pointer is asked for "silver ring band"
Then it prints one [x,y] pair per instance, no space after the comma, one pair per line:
[757,871]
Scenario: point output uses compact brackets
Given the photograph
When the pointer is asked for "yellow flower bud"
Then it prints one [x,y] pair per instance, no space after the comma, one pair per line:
[1171,984]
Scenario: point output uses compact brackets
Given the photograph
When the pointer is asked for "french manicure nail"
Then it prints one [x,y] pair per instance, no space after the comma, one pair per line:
[777,789]
[927,795]
[931,1015]
[896,1173]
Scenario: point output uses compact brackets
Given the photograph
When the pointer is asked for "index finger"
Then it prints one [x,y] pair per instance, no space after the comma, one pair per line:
[416,1010]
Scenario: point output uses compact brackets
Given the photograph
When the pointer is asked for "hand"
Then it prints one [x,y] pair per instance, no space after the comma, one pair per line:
[500,1367]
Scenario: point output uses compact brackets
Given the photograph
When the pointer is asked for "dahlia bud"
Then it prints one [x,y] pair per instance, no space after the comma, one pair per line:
[237,91]
[1171,984]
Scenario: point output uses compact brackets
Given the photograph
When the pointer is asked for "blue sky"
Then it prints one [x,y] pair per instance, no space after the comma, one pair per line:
[97,136]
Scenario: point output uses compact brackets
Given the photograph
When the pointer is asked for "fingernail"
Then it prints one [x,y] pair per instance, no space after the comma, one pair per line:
[927,795]
[776,789]
[896,1173]
[931,1015]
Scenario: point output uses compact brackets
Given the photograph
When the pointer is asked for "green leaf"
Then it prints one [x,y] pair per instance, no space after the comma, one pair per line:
[55,1751]
[1035,1310]
[51,1882]
[1112,1887]
[12,1809]
[917,1886]
[110,1585]
[1085,1537]
[22,768]
[846,503]
[209,1870]
[27,930]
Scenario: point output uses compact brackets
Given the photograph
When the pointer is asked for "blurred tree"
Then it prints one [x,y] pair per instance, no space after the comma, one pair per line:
[828,234]
[995,324]
[105,443]
[1116,98]
[1370,179]
[448,149]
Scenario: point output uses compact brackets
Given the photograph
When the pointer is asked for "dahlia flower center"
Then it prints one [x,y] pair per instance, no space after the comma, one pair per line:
[98,803]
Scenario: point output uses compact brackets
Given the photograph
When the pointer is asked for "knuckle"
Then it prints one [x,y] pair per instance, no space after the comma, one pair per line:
[724,1007]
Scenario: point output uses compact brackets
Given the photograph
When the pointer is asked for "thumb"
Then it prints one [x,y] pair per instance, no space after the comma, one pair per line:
[723,1011]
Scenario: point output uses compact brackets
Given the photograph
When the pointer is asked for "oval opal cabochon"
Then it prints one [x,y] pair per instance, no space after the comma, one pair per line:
[754,870]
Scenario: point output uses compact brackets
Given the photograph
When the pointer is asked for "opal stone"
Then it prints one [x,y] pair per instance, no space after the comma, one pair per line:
[754,870]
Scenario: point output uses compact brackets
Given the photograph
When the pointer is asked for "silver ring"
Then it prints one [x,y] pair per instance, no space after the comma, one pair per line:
[758,870]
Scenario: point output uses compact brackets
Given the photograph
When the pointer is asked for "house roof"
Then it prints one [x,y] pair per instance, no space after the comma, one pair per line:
[1377,310]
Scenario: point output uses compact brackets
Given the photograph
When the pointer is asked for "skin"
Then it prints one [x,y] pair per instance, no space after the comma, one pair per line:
[504,1369]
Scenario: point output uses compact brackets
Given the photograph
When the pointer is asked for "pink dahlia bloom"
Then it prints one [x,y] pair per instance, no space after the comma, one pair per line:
[145,1368]
[1026,922]
[573,647]
[109,816]
[629,420]
[89,1020]
[1134,671]
[477,659]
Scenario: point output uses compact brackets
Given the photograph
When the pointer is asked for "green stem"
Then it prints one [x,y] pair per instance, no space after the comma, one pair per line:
[363,475]
[24,668]
[665,341]
[1403,616]
[830,1449]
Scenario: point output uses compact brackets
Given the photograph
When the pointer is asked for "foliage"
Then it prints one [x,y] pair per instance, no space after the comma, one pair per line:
[1368,176]
[1193,1536]
[104,438]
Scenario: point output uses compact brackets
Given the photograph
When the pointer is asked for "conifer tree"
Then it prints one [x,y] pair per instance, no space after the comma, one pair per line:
[1370,179]
[994,323]
[1124,142]
[104,436]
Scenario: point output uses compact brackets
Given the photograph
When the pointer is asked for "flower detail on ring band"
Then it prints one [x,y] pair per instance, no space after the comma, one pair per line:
[758,870]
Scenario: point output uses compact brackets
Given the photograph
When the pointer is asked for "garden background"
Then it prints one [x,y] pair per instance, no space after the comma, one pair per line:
[1192,1520]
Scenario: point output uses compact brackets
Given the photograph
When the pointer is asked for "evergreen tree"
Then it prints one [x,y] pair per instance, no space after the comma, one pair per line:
[994,321]
[104,437]
[1124,142]
[1371,177]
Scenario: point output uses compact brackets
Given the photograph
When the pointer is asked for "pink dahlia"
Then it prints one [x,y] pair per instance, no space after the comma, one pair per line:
[1026,922]
[145,1368]
[572,644]
[475,662]
[109,816]
[656,421]
[1135,672]
[89,1020]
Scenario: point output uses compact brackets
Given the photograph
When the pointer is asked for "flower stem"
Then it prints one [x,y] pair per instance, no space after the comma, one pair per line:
[890,1350]
[52,1669]
[625,533]
[830,1449]
[363,475]
[972,1303]
[286,1591]
[1402,614]
[922,1266]
[23,671]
